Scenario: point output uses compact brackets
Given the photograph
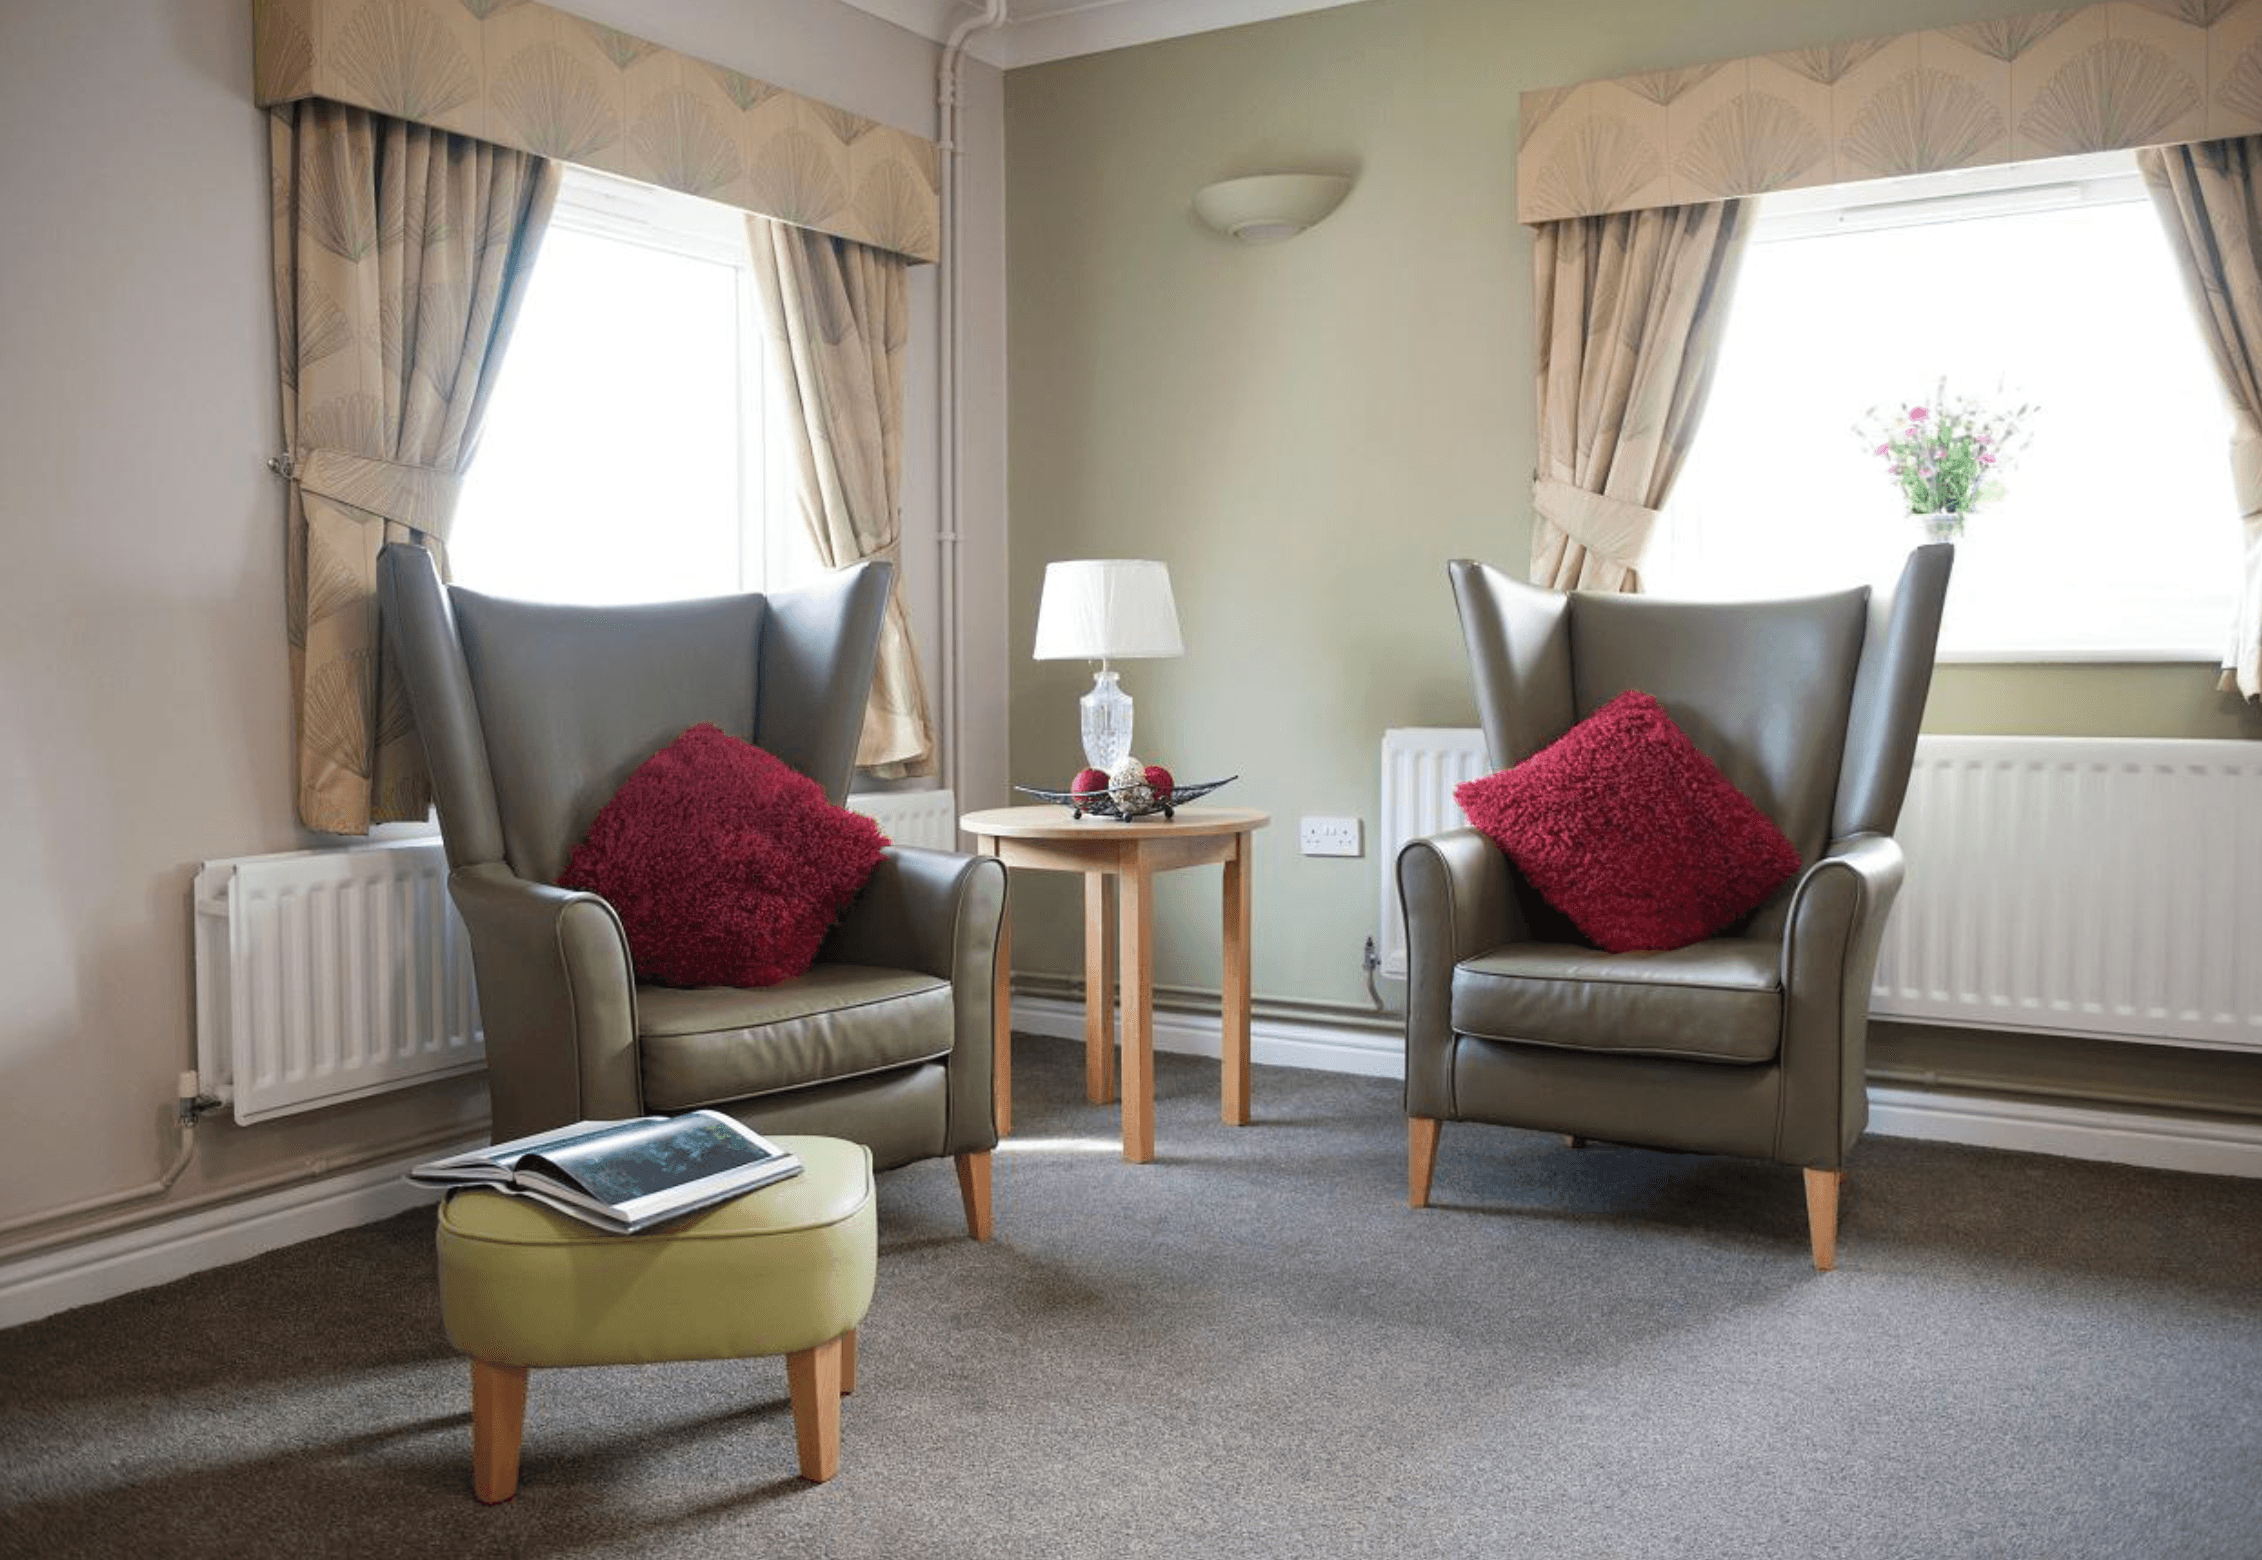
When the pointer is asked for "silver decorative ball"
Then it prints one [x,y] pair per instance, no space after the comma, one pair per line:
[1127,783]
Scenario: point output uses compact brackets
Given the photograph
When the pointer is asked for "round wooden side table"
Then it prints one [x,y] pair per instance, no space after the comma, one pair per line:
[1049,838]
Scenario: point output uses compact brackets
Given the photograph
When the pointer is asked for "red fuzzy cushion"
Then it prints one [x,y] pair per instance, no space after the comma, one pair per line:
[1625,827]
[726,865]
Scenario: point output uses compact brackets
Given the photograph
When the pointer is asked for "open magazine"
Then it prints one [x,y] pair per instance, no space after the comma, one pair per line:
[623,1176]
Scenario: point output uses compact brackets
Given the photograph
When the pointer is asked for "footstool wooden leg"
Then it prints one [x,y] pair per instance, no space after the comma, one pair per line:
[813,1377]
[848,1363]
[498,1419]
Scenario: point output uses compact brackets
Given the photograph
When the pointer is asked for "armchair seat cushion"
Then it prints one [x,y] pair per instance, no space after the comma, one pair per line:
[1717,1001]
[709,1045]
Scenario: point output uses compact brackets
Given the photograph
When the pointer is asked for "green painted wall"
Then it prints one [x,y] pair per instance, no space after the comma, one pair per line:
[1307,432]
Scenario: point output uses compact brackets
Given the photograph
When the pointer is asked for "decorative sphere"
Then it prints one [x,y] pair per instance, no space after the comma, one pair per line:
[1160,781]
[1088,782]
[1128,783]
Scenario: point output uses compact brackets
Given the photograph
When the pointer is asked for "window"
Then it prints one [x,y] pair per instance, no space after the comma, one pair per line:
[2117,537]
[622,456]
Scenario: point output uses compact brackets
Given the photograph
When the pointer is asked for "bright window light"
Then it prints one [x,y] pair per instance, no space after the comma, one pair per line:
[2118,534]
[621,458]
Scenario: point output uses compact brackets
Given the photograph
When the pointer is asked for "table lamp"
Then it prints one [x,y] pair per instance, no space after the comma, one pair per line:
[1103,609]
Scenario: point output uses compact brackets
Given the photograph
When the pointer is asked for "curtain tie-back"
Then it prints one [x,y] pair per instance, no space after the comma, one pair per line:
[2246,464]
[1609,527]
[420,497]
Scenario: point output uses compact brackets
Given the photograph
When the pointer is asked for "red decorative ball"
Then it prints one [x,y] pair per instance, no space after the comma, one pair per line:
[1088,782]
[1158,779]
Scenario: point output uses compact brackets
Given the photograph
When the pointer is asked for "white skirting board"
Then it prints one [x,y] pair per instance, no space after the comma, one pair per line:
[1272,1042]
[66,1276]
[2068,1131]
[50,1281]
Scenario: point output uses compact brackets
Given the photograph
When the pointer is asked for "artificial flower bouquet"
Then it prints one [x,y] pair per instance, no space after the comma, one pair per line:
[1947,454]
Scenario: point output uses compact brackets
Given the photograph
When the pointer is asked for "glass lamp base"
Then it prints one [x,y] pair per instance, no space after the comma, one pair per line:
[1106,722]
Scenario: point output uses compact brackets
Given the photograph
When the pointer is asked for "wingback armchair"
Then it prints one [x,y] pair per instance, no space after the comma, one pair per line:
[1750,1043]
[533,714]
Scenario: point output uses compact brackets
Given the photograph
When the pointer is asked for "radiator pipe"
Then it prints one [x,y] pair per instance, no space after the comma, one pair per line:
[308,1170]
[2079,1093]
[148,1189]
[949,532]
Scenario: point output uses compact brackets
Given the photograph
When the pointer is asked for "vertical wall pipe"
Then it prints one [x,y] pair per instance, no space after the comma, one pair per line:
[949,532]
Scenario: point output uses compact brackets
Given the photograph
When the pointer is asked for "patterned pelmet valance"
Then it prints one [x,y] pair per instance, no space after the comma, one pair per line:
[524,75]
[2048,84]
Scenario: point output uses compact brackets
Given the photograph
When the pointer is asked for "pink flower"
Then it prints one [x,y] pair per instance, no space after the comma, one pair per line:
[1986,459]
[1918,414]
[1884,449]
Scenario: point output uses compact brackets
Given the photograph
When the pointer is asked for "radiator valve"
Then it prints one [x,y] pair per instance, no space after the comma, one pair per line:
[190,1102]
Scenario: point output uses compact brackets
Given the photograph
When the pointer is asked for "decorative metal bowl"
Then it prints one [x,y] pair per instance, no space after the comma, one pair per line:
[1124,803]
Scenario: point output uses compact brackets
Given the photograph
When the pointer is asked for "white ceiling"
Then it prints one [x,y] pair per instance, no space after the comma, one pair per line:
[1038,30]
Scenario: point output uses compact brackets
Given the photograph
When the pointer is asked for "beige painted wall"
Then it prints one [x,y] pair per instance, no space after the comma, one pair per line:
[144,718]
[1307,432]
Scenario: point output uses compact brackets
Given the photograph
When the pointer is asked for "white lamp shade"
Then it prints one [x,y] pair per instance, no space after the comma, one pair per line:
[1099,609]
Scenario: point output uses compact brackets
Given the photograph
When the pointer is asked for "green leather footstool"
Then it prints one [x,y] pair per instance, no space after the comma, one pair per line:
[787,1269]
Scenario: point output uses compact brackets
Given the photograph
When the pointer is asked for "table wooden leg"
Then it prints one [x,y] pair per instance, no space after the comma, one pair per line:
[1135,911]
[1001,1010]
[1233,1012]
[1099,992]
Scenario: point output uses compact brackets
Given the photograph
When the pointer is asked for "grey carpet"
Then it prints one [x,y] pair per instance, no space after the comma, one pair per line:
[1252,1347]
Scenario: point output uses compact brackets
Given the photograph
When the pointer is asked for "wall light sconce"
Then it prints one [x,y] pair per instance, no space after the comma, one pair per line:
[1269,207]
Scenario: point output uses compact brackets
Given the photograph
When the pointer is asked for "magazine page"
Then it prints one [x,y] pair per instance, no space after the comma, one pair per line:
[494,1163]
[660,1162]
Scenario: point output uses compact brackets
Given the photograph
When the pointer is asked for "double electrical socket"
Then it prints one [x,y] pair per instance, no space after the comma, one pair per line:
[1328,836]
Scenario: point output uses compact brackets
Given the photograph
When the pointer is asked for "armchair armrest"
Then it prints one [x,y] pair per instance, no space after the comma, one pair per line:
[1830,941]
[557,998]
[939,912]
[1456,891]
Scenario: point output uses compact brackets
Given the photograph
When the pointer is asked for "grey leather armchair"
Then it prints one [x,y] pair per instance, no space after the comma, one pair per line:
[532,715]
[1750,1043]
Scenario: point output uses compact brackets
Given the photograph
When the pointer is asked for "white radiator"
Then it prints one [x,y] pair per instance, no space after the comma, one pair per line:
[2095,887]
[327,975]
[1420,767]
[2104,887]
[928,819]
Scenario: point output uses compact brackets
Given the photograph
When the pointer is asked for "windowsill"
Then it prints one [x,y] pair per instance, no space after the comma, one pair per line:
[2092,655]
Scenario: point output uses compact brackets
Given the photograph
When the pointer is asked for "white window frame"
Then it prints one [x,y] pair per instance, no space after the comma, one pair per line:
[606,206]
[2107,178]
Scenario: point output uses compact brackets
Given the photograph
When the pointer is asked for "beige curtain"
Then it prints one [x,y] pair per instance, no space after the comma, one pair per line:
[1628,311]
[838,316]
[2212,209]
[400,257]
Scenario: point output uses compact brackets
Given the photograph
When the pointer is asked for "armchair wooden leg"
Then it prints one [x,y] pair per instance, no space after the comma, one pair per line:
[1421,1158]
[974,1192]
[848,1363]
[1822,1216]
[498,1420]
[813,1378]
